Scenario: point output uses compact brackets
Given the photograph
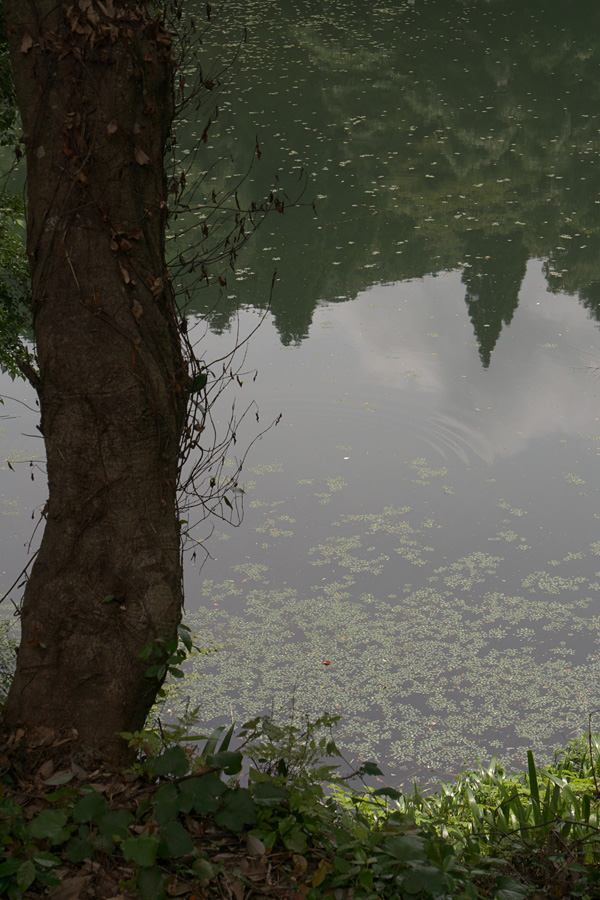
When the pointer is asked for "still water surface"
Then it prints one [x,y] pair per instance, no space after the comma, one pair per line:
[426,516]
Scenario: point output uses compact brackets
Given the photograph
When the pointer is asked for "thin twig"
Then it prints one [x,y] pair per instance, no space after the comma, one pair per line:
[18,578]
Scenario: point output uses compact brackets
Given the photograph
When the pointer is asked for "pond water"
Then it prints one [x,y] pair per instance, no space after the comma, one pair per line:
[420,549]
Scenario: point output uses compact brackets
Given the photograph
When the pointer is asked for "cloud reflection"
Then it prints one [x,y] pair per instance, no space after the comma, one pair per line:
[416,342]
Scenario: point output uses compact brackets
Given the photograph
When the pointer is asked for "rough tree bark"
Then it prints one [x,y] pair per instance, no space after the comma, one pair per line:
[94,83]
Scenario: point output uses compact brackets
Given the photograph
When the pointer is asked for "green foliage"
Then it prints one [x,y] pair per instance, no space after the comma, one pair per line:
[9,118]
[23,857]
[280,787]
[166,657]
[15,292]
[294,751]
[15,317]
[539,822]
[199,381]
[82,823]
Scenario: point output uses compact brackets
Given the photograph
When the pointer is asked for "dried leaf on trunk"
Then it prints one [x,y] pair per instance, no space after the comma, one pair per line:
[26,43]
[112,127]
[141,157]
[138,310]
[156,286]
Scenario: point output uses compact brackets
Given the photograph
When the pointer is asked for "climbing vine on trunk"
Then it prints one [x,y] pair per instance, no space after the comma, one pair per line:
[126,404]
[94,84]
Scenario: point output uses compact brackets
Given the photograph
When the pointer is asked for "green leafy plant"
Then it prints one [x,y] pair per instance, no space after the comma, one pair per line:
[542,823]
[23,861]
[166,657]
[278,789]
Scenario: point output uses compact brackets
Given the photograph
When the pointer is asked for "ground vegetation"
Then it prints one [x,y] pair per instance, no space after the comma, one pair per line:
[266,812]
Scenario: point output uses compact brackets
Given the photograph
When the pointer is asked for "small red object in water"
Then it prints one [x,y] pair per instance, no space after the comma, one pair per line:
[326,663]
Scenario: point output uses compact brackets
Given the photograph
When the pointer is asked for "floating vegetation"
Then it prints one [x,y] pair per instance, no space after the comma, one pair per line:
[508,536]
[266,467]
[430,665]
[335,484]
[470,570]
[424,473]
[511,509]
[273,525]
[338,550]
[552,584]
[252,570]
[10,508]
[573,479]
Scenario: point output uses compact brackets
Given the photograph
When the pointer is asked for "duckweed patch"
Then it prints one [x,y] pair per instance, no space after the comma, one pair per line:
[266,467]
[434,657]
[514,511]
[573,479]
[424,473]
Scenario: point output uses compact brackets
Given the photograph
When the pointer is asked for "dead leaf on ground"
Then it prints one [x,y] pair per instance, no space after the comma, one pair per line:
[237,889]
[141,157]
[107,8]
[41,735]
[178,888]
[15,737]
[46,769]
[112,127]
[101,788]
[62,777]
[319,876]
[255,846]
[300,864]
[26,43]
[70,889]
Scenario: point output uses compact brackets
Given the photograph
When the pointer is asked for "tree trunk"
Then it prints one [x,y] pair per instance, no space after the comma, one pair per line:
[94,82]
